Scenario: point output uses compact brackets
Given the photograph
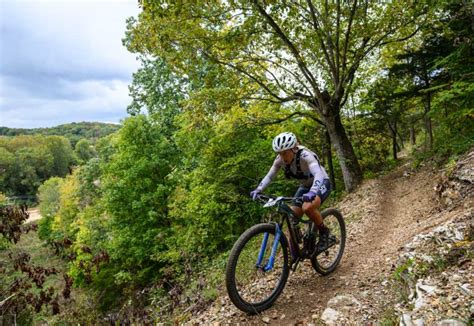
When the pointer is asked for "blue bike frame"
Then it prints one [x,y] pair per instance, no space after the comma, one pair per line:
[261,254]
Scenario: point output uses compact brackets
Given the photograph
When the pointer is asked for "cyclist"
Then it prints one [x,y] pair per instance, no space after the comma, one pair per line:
[302,164]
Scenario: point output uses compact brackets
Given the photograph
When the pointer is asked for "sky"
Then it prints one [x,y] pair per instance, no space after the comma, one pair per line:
[63,61]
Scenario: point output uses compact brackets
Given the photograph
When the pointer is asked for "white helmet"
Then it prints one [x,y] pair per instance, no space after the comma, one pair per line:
[284,141]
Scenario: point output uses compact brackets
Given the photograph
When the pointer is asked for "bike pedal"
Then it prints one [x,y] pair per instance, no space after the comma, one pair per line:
[331,243]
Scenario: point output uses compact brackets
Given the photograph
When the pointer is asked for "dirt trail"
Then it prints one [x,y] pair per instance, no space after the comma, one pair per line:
[34,215]
[382,215]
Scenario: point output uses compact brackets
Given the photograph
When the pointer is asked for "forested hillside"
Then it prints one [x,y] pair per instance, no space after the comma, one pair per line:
[73,131]
[31,156]
[145,224]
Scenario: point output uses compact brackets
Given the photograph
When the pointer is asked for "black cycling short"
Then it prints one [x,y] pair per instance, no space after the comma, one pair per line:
[323,193]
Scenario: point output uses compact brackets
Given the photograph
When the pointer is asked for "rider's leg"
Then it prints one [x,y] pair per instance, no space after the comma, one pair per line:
[311,209]
[297,210]
[298,203]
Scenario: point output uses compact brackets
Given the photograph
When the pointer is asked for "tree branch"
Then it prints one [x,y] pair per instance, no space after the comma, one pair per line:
[257,61]
[301,114]
[317,28]
[347,36]
[255,79]
[301,64]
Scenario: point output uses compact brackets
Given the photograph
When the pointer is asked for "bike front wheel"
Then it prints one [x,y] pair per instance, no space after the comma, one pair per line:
[326,262]
[254,277]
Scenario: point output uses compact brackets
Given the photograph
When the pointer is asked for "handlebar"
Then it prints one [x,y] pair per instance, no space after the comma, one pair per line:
[264,198]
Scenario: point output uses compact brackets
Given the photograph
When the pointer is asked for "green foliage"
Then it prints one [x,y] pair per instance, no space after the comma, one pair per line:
[136,190]
[442,69]
[283,52]
[371,143]
[84,151]
[63,156]
[49,198]
[3,199]
[157,91]
[27,161]
[389,317]
[403,279]
[168,194]
[73,131]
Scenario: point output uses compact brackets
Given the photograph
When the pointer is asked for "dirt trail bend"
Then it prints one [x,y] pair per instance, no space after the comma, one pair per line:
[34,215]
[381,216]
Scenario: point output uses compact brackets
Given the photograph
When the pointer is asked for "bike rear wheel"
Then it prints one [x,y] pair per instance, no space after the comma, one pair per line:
[254,288]
[326,262]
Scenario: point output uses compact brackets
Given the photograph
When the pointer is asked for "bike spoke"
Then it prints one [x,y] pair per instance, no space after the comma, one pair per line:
[327,258]
[253,283]
[325,262]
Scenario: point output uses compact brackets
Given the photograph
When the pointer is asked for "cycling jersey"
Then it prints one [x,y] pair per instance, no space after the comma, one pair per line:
[311,174]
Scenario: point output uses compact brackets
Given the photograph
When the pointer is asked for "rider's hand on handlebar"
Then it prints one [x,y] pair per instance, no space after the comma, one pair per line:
[254,193]
[309,196]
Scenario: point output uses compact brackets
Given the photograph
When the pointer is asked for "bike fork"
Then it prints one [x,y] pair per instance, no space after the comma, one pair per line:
[261,254]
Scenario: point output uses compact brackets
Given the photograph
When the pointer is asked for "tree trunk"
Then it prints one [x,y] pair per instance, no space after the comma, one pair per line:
[393,131]
[400,138]
[429,130]
[350,167]
[412,135]
[329,160]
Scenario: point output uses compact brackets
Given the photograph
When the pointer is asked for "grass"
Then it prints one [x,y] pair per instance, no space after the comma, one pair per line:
[389,317]
[402,277]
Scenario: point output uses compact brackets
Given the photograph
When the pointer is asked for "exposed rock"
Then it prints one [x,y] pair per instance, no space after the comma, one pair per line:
[450,322]
[405,320]
[330,316]
[381,217]
[465,289]
[419,322]
[344,303]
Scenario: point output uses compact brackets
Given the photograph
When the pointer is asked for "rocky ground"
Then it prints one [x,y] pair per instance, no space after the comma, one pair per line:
[408,258]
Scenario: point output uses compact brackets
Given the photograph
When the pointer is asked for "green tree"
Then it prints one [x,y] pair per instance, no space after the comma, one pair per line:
[6,162]
[388,106]
[31,167]
[307,52]
[158,91]
[49,203]
[63,155]
[27,161]
[439,64]
[84,151]
[73,131]
[136,187]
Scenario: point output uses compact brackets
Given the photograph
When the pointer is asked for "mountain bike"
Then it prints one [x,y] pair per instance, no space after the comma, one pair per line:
[259,263]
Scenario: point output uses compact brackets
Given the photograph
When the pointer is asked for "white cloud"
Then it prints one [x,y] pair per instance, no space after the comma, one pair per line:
[99,102]
[63,61]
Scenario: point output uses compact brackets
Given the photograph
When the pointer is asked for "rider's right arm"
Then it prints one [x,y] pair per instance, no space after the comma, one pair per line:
[277,164]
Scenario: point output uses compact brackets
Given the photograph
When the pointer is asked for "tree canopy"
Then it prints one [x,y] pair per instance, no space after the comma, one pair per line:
[152,208]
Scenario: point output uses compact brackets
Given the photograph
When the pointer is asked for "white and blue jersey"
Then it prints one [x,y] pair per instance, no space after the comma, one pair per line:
[305,167]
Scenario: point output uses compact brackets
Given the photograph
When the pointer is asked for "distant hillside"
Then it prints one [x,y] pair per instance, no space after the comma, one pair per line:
[73,131]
